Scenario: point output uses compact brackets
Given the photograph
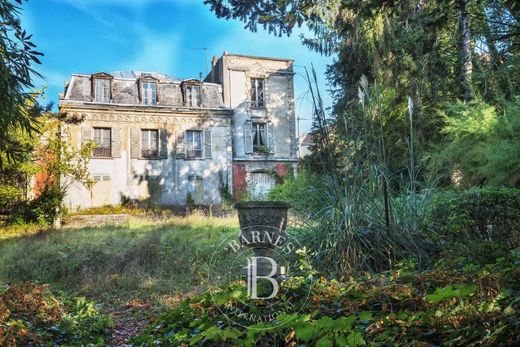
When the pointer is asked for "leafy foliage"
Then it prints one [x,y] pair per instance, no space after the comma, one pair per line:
[19,109]
[31,315]
[297,190]
[481,144]
[55,162]
[456,303]
[478,214]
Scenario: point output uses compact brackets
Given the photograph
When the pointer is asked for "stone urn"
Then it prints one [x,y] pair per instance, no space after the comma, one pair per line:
[262,228]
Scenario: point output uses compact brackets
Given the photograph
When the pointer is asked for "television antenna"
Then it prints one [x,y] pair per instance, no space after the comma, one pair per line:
[205,49]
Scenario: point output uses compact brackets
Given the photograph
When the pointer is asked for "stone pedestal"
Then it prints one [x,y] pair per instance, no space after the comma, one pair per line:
[262,228]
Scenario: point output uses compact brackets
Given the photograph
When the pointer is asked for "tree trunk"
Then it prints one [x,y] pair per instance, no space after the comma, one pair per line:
[465,49]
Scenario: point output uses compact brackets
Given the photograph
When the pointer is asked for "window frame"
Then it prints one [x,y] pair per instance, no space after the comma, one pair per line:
[103,98]
[193,181]
[194,153]
[256,101]
[145,95]
[100,151]
[191,97]
[149,152]
[255,130]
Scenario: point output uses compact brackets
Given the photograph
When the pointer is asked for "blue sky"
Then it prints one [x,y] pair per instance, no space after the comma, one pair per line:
[87,36]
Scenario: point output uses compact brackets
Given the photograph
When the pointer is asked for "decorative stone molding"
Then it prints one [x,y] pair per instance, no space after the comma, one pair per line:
[189,121]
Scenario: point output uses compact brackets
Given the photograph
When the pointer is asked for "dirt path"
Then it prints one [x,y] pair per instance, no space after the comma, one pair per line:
[129,321]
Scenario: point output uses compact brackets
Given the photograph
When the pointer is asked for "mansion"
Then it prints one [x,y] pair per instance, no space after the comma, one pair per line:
[168,141]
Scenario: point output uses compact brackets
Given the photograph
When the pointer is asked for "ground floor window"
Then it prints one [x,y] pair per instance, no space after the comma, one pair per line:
[259,184]
[196,189]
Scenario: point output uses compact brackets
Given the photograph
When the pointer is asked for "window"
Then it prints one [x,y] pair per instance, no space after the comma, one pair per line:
[196,189]
[259,184]
[259,135]
[99,178]
[193,96]
[149,93]
[102,90]
[103,142]
[257,92]
[194,144]
[149,143]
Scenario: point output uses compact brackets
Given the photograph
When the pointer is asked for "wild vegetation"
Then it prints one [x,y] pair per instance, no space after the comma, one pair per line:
[462,301]
[31,315]
[148,259]
[408,206]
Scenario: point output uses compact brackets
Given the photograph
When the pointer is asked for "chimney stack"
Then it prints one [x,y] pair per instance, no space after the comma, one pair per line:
[213,65]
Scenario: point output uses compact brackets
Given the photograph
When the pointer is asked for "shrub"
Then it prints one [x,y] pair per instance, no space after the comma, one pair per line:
[31,315]
[481,144]
[491,214]
[457,303]
[43,210]
[298,192]
[350,230]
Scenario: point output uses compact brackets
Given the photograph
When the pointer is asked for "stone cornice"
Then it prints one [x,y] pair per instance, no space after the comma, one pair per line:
[148,116]
[95,106]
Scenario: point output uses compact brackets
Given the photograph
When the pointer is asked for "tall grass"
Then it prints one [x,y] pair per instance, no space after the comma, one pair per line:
[365,221]
[143,260]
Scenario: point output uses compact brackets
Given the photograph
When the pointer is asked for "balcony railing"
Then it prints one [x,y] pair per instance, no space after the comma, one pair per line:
[149,153]
[194,153]
[102,152]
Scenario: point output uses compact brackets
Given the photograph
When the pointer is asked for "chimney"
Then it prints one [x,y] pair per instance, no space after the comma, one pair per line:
[214,61]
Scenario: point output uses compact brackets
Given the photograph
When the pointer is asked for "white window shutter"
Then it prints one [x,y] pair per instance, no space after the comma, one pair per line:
[207,143]
[181,144]
[163,143]
[135,143]
[248,137]
[86,133]
[270,137]
[116,142]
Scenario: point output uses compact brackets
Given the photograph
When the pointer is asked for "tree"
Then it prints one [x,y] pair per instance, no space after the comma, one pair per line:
[434,53]
[18,107]
[52,160]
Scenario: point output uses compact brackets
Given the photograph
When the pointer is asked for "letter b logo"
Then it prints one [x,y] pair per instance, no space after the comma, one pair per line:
[253,265]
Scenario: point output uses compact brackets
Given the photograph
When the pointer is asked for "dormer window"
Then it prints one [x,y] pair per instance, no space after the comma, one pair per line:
[149,93]
[101,87]
[193,96]
[192,93]
[102,90]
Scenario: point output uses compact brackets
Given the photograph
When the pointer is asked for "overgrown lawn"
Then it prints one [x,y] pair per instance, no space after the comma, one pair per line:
[153,260]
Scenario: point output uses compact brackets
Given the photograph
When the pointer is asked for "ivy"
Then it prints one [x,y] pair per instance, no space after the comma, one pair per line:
[457,302]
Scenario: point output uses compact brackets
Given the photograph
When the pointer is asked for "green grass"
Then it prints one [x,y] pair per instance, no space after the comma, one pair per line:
[147,259]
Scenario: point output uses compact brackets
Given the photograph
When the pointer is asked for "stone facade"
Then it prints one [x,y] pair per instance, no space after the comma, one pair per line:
[257,170]
[166,141]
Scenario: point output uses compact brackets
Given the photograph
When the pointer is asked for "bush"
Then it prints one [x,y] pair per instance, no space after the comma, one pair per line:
[43,210]
[481,144]
[458,303]
[31,315]
[298,192]
[349,230]
[489,214]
